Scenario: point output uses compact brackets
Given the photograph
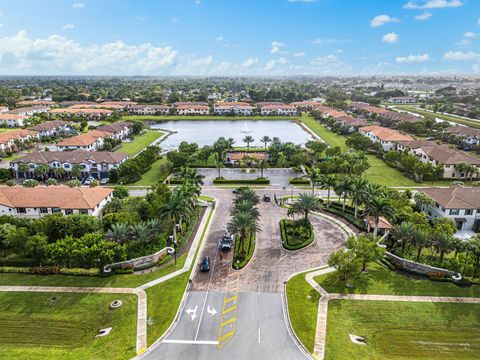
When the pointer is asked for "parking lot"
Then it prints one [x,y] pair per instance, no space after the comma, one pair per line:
[278,176]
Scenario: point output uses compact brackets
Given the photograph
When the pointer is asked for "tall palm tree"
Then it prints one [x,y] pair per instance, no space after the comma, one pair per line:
[314,175]
[343,188]
[243,223]
[218,162]
[358,192]
[248,140]
[305,204]
[403,233]
[118,233]
[154,226]
[59,172]
[420,240]
[173,209]
[327,182]
[76,171]
[23,168]
[191,176]
[265,140]
[141,233]
[247,194]
[246,206]
[443,242]
[378,206]
[42,170]
[262,165]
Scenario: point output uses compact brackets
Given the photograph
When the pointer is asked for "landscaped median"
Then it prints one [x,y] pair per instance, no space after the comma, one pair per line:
[257,181]
[296,234]
[243,251]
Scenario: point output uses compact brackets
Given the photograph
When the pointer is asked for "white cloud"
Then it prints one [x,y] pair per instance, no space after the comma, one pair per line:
[461,56]
[433,4]
[68,27]
[219,38]
[175,20]
[464,42]
[390,38]
[248,63]
[78,5]
[382,20]
[299,54]
[330,65]
[273,63]
[418,58]
[470,35]
[426,15]
[276,45]
[56,54]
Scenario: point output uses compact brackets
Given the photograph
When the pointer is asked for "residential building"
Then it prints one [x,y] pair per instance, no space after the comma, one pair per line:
[305,105]
[82,112]
[119,130]
[366,108]
[3,109]
[350,123]
[90,141]
[39,201]
[52,128]
[460,204]
[403,100]
[435,154]
[388,138]
[48,103]
[393,118]
[189,103]
[30,111]
[12,120]
[234,157]
[117,104]
[193,109]
[8,139]
[237,108]
[91,163]
[471,136]
[149,109]
[278,109]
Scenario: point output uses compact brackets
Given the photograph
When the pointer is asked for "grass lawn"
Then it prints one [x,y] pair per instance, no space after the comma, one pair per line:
[204,118]
[452,118]
[206,198]
[127,280]
[139,143]
[33,327]
[382,281]
[158,172]
[163,302]
[400,330]
[302,302]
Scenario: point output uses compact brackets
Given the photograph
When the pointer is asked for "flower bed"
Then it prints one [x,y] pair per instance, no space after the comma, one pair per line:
[296,238]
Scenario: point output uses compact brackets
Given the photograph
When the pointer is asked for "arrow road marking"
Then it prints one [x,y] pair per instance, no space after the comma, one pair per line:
[192,312]
[211,311]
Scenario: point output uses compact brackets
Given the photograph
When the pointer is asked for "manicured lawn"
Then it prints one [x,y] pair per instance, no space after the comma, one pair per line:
[163,302]
[401,330]
[329,137]
[382,281]
[34,327]
[139,143]
[158,172]
[205,198]
[128,280]
[204,118]
[452,118]
[302,302]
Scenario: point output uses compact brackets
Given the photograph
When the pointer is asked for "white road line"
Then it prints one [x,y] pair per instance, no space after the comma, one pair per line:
[259,336]
[201,315]
[193,342]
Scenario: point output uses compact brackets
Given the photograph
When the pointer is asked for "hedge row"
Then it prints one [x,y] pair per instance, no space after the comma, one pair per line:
[299,181]
[257,181]
[48,270]
[285,242]
[347,215]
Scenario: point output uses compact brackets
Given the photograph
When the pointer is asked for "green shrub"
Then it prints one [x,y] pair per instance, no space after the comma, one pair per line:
[45,270]
[15,269]
[299,181]
[257,181]
[293,241]
[17,262]
[80,272]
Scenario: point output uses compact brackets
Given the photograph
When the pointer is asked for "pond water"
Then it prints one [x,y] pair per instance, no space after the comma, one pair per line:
[206,132]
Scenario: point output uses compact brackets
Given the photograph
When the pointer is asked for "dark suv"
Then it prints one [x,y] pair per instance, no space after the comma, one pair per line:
[205,266]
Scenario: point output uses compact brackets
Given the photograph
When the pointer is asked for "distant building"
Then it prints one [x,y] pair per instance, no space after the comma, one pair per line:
[193,110]
[90,141]
[119,130]
[366,108]
[471,136]
[39,201]
[12,120]
[52,128]
[278,109]
[29,111]
[149,109]
[388,138]
[305,105]
[237,108]
[403,100]
[8,139]
[92,163]
[87,112]
[350,123]
[234,157]
[37,103]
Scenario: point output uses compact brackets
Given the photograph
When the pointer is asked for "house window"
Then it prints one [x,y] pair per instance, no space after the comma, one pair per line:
[83,211]
[21,210]
[43,211]
[55,210]
[468,211]
[454,211]
[447,166]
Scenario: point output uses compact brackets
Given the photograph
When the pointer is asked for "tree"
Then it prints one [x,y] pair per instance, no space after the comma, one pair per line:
[327,182]
[262,165]
[443,242]
[357,192]
[248,140]
[5,236]
[343,188]
[403,233]
[265,140]
[243,223]
[120,192]
[378,206]
[346,263]
[359,142]
[420,240]
[204,154]
[76,171]
[173,209]
[141,233]
[314,175]
[52,182]
[365,248]
[118,233]
[316,148]
[23,168]
[36,248]
[423,200]
[305,204]
[74,183]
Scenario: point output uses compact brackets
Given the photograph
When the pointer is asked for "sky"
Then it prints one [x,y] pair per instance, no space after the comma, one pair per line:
[239,37]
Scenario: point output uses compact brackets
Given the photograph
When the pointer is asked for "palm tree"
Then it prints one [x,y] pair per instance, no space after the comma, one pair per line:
[358,192]
[314,175]
[118,233]
[248,140]
[327,182]
[218,162]
[154,226]
[378,206]
[365,248]
[462,167]
[265,140]
[305,204]
[246,206]
[342,188]
[247,194]
[191,176]
[41,170]
[420,239]
[140,233]
[174,208]
[403,233]
[243,223]
[76,171]
[262,165]
[23,168]
[59,172]
[443,242]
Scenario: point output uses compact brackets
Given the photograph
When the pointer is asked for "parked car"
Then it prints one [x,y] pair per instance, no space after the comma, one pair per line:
[104,181]
[205,266]
[266,197]
[88,180]
[226,242]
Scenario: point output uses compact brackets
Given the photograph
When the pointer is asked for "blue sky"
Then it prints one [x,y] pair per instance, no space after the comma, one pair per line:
[232,37]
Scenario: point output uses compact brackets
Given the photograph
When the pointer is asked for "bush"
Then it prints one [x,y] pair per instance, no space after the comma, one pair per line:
[17,262]
[80,272]
[15,269]
[292,241]
[45,270]
[299,181]
[257,181]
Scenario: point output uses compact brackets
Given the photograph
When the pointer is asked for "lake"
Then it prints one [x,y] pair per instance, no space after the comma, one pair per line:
[208,131]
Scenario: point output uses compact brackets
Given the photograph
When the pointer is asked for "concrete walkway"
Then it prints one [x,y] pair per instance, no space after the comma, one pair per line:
[139,291]
[321,332]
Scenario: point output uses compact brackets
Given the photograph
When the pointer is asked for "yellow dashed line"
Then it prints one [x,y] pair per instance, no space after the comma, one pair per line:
[229,309]
[228,322]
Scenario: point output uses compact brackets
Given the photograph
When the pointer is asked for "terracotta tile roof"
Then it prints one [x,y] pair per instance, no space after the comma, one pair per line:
[401,117]
[189,103]
[73,157]
[368,107]
[464,130]
[16,134]
[386,134]
[351,121]
[81,111]
[36,102]
[231,103]
[115,127]
[264,103]
[11,117]
[237,156]
[193,107]
[382,224]
[278,107]
[27,109]
[140,107]
[49,125]
[84,139]
[226,106]
[305,103]
[455,197]
[441,153]
[61,196]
